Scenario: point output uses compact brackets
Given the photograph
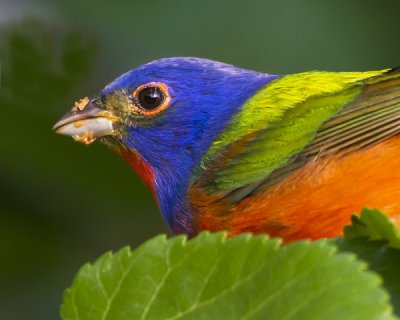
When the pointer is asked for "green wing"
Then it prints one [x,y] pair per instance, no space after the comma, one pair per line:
[372,117]
[295,118]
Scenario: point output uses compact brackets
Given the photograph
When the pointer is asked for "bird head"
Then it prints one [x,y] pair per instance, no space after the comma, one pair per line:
[162,117]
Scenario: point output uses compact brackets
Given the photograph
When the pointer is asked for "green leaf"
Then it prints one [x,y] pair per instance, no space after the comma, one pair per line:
[375,225]
[381,259]
[211,277]
[374,238]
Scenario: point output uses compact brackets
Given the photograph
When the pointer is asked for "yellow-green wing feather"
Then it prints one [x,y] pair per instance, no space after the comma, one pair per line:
[271,102]
[372,117]
[296,117]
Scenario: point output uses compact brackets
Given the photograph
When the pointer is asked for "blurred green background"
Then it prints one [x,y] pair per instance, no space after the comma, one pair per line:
[63,204]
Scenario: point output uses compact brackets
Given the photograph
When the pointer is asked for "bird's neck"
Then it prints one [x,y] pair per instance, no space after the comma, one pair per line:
[168,189]
[141,167]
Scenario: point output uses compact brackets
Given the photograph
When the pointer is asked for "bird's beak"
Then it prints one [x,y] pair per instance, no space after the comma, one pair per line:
[86,122]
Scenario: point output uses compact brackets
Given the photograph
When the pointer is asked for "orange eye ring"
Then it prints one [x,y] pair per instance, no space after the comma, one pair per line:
[151,98]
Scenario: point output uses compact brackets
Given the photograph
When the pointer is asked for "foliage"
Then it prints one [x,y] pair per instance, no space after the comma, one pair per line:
[245,277]
[375,226]
[375,239]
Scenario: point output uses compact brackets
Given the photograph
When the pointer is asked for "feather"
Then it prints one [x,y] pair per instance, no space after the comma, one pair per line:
[351,112]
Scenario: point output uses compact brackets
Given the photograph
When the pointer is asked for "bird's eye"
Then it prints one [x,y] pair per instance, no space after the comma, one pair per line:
[151,98]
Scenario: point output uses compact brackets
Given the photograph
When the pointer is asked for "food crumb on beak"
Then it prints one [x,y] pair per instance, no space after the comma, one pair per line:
[85,138]
[79,123]
[81,104]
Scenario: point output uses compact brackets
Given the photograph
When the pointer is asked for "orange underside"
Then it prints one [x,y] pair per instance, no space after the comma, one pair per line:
[317,200]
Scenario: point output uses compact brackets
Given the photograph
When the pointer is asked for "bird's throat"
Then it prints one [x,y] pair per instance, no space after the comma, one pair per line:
[141,167]
[179,219]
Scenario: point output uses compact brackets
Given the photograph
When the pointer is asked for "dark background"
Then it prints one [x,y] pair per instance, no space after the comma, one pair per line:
[63,204]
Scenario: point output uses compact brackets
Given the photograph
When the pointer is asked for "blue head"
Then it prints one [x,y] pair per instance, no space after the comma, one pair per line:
[170,112]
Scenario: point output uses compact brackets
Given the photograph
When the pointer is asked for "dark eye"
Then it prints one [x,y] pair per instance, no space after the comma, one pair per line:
[151,98]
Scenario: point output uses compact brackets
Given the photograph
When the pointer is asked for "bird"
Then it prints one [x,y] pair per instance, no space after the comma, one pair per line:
[224,148]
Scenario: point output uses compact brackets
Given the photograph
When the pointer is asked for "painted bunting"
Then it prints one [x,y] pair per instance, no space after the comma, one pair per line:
[223,148]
